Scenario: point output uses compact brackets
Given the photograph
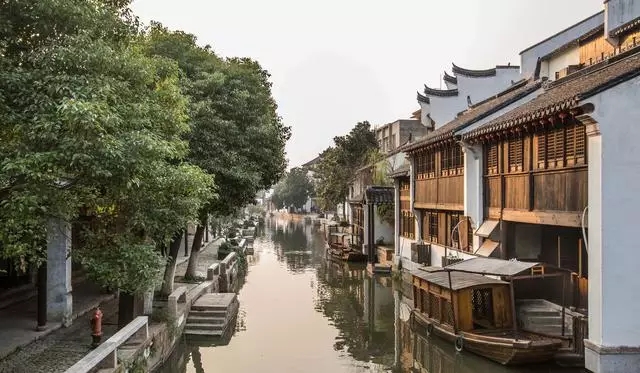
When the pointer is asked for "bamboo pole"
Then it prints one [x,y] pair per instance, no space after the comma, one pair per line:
[513,310]
[453,306]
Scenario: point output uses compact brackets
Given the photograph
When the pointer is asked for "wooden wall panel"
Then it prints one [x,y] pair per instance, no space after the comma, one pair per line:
[564,190]
[427,191]
[517,191]
[594,49]
[492,191]
[451,190]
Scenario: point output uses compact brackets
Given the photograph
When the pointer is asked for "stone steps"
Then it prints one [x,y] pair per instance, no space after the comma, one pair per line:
[206,320]
[221,313]
[212,315]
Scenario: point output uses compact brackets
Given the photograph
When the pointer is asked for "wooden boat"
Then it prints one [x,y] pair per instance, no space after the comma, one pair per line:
[476,313]
[340,249]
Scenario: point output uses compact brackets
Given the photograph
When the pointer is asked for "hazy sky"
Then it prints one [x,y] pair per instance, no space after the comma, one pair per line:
[337,62]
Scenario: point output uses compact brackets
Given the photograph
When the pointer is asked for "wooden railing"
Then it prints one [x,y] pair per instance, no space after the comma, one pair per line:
[105,356]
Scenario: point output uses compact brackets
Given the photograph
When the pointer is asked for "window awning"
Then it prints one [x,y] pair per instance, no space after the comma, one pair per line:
[487,228]
[487,248]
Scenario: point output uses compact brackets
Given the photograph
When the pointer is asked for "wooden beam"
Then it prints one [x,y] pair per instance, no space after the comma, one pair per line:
[557,218]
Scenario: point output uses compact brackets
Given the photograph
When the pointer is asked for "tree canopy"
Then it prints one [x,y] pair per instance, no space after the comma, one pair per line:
[340,162]
[128,133]
[293,190]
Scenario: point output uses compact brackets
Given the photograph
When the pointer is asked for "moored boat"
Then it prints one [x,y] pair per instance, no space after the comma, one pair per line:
[339,247]
[476,314]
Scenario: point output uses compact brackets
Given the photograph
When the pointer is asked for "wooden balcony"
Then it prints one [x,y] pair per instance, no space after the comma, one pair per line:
[553,197]
[440,193]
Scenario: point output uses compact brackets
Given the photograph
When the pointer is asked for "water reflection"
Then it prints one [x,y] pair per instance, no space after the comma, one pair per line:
[303,313]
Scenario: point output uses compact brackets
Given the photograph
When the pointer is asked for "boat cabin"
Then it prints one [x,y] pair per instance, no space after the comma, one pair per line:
[462,301]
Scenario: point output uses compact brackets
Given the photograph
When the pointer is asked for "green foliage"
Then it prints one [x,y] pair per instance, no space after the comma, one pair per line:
[294,190]
[340,162]
[93,132]
[237,135]
[133,269]
[386,212]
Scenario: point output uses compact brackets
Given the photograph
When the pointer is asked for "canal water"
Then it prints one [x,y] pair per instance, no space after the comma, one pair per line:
[300,312]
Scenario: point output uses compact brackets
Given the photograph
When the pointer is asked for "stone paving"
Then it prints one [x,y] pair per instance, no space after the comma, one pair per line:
[207,257]
[57,349]
[18,322]
[62,348]
[25,350]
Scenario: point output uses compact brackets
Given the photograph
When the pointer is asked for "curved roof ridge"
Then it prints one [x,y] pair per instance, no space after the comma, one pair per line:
[440,92]
[449,78]
[424,99]
[473,73]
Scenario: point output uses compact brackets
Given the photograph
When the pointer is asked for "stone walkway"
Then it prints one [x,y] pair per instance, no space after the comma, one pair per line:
[24,350]
[207,257]
[18,322]
[62,348]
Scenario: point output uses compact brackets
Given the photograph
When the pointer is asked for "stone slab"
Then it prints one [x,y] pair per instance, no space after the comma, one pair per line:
[215,300]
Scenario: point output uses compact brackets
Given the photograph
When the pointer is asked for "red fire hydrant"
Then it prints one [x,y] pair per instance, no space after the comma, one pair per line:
[96,327]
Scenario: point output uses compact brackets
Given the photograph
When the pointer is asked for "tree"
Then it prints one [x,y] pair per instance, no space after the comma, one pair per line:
[93,132]
[339,163]
[237,135]
[293,190]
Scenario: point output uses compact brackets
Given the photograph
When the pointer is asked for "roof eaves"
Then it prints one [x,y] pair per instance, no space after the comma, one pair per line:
[560,32]
[473,73]
[626,27]
[424,99]
[440,92]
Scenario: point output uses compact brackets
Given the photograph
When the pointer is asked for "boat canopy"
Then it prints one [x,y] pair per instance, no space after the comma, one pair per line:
[491,266]
[459,280]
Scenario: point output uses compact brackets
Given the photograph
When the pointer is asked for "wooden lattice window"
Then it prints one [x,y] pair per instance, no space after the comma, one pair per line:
[492,158]
[408,227]
[426,165]
[482,302]
[451,160]
[555,148]
[516,154]
[542,149]
[576,144]
[560,147]
[432,228]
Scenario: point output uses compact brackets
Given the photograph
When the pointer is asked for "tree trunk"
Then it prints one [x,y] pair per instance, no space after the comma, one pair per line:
[126,309]
[196,248]
[170,269]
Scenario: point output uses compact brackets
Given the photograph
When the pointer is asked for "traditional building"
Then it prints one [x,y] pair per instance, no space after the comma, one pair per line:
[392,135]
[433,192]
[554,167]
[464,88]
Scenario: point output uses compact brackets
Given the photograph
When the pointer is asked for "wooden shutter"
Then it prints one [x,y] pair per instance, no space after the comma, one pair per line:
[541,151]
